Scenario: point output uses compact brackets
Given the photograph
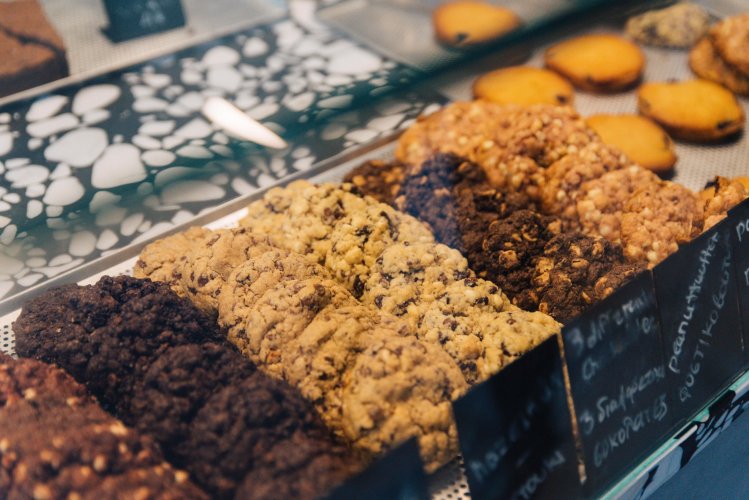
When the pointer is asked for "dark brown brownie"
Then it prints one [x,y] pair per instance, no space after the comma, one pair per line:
[380,179]
[576,271]
[33,52]
[162,367]
[56,442]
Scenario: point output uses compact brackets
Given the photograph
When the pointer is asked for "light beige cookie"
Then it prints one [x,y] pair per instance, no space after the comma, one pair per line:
[163,259]
[639,138]
[301,215]
[523,85]
[398,388]
[694,110]
[679,25]
[708,64]
[597,63]
[730,39]
[358,239]
[599,202]
[658,218]
[467,23]
[565,176]
[720,197]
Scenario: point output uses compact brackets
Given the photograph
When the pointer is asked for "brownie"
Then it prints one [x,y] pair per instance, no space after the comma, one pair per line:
[380,179]
[161,366]
[56,442]
[33,52]
[576,271]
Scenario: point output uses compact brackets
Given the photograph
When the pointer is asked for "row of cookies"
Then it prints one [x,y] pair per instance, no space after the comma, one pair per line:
[530,160]
[160,365]
[353,303]
[504,237]
[57,442]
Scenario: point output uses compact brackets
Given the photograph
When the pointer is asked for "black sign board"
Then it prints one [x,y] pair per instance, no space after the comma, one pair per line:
[399,475]
[135,18]
[738,224]
[698,304]
[620,390]
[515,431]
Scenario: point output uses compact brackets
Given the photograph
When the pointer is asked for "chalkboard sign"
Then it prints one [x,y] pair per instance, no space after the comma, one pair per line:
[130,19]
[620,391]
[399,475]
[698,304]
[515,431]
[738,224]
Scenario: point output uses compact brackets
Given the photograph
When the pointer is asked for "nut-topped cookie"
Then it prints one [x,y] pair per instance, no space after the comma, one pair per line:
[730,39]
[720,196]
[707,63]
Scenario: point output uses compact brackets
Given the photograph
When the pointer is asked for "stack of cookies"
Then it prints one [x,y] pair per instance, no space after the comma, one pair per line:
[723,55]
[159,364]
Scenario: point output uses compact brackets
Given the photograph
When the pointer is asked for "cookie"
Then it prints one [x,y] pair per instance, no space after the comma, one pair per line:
[600,202]
[161,365]
[161,260]
[513,144]
[640,139]
[597,63]
[301,215]
[564,177]
[358,239]
[708,64]
[573,274]
[468,23]
[656,219]
[523,85]
[678,26]
[729,37]
[673,106]
[720,196]
[378,179]
[58,443]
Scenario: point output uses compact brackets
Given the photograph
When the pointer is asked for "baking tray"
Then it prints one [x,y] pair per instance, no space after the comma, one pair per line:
[450,482]
[696,166]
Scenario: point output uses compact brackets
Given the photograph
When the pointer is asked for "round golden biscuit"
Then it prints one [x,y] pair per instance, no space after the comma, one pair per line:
[731,39]
[707,63]
[693,110]
[523,85]
[467,23]
[639,138]
[597,63]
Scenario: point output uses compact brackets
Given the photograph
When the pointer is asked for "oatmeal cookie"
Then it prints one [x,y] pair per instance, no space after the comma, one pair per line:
[729,37]
[163,259]
[58,443]
[656,219]
[720,196]
[600,201]
[301,215]
[378,179]
[564,177]
[514,144]
[678,26]
[707,63]
[359,238]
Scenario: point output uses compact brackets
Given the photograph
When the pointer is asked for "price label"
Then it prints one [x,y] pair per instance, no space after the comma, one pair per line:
[130,19]
[738,223]
[698,304]
[620,391]
[398,475]
[515,431]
